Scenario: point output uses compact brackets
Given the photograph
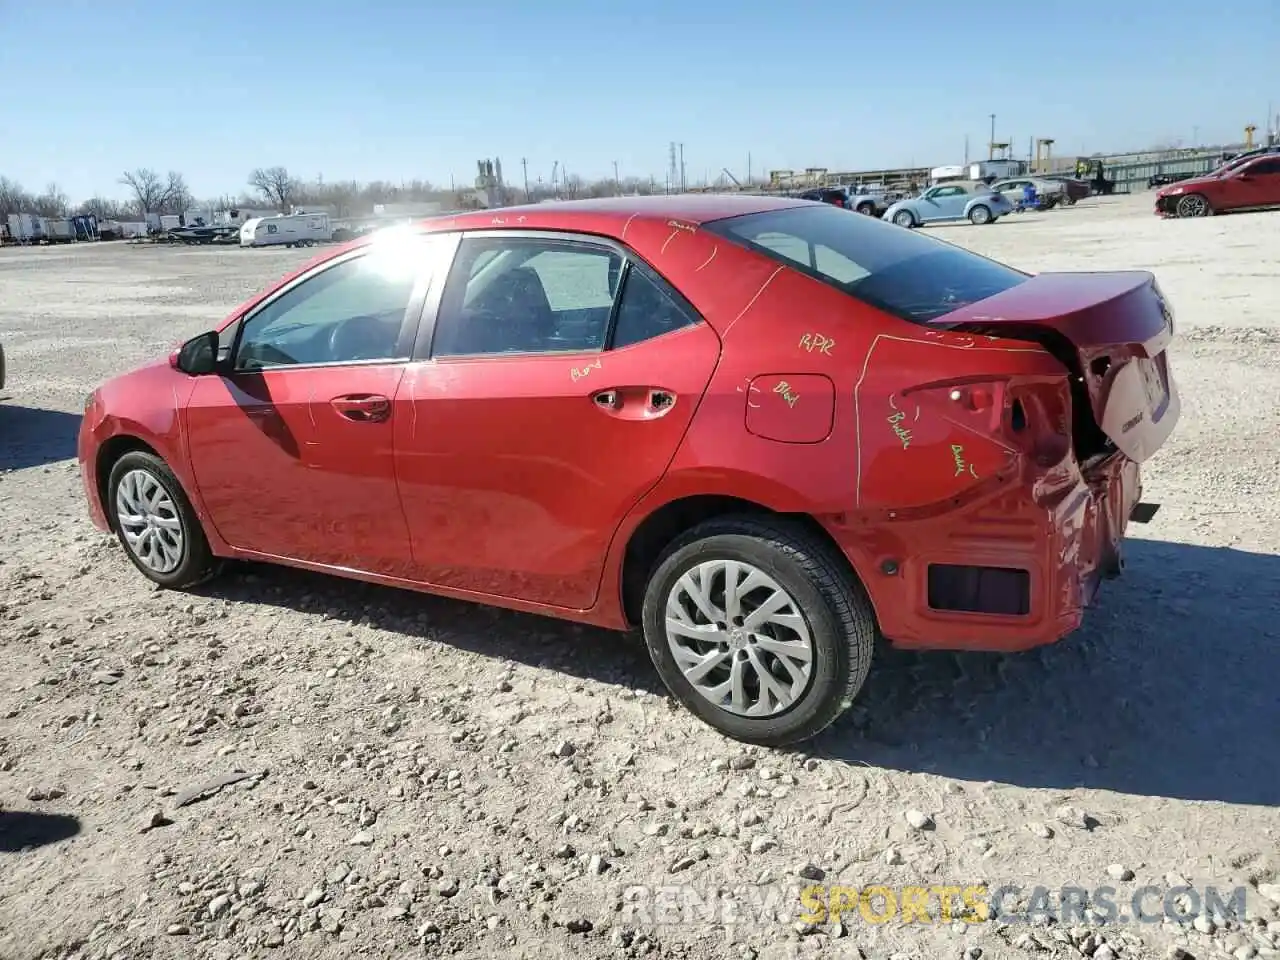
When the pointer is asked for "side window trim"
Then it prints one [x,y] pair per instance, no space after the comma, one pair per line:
[422,285]
[624,275]
[435,297]
[634,264]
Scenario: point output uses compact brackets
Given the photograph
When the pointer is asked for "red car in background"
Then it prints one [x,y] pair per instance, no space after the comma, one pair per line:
[762,430]
[1250,182]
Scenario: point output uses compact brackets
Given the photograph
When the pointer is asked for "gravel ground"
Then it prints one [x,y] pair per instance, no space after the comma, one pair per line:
[430,778]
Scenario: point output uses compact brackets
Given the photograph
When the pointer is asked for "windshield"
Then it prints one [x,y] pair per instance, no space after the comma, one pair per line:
[902,272]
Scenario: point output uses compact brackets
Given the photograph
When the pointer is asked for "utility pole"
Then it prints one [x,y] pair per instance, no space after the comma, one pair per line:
[617,184]
[966,149]
[682,180]
[524,163]
[991,148]
[748,169]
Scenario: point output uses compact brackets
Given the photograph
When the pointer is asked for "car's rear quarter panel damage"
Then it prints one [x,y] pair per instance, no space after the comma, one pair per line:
[908,476]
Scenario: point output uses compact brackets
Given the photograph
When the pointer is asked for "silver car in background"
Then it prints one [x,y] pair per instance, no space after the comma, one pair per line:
[970,200]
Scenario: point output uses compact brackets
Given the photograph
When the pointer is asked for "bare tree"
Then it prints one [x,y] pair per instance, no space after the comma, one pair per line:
[177,197]
[277,186]
[102,208]
[13,199]
[155,194]
[51,203]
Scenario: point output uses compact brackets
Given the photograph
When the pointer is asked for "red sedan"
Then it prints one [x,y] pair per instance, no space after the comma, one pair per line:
[1249,182]
[763,430]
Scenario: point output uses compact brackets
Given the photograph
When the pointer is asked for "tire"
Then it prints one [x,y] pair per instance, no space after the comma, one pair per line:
[980,215]
[905,218]
[867,209]
[831,618]
[1193,205]
[181,566]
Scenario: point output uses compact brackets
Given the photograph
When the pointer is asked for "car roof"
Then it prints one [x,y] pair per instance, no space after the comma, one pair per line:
[609,215]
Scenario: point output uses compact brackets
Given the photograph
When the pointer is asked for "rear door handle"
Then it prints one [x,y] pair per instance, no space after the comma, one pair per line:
[362,407]
[634,403]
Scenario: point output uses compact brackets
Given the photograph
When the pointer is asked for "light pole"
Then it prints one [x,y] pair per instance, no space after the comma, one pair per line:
[991,144]
[617,184]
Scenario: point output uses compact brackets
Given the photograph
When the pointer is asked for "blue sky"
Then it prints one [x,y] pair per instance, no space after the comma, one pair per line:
[400,90]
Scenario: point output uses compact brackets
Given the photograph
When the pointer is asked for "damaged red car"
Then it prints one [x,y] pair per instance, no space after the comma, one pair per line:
[763,431]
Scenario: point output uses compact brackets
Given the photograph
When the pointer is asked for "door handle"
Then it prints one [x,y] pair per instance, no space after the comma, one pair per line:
[634,403]
[362,407]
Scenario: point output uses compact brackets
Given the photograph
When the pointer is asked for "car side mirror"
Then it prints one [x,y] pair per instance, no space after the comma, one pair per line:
[198,356]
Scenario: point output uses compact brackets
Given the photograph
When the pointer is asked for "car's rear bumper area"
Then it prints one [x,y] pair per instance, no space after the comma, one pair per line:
[1010,573]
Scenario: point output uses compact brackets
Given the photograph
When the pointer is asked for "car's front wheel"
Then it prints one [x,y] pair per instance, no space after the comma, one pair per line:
[1194,205]
[904,218]
[156,524]
[867,209]
[759,629]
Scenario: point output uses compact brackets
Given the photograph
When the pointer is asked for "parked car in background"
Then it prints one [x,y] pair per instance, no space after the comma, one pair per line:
[871,201]
[1074,188]
[969,200]
[1249,184]
[761,430]
[865,203]
[1049,192]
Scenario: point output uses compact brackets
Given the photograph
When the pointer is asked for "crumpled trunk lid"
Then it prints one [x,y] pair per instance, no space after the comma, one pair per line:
[1111,330]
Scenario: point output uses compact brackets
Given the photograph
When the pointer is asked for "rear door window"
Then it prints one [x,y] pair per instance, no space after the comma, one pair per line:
[905,273]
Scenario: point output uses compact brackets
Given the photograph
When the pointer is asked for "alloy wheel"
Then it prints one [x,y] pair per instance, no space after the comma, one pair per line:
[739,638]
[149,521]
[1193,205]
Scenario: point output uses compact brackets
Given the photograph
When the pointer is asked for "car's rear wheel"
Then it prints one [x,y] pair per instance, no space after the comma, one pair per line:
[867,209]
[980,214]
[1194,205]
[156,524]
[759,629]
[904,218]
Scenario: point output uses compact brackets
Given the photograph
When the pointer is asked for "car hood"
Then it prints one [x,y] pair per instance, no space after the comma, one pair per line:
[148,381]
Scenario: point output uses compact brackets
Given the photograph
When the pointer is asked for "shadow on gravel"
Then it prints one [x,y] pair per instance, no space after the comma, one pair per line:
[21,829]
[31,437]
[1169,690]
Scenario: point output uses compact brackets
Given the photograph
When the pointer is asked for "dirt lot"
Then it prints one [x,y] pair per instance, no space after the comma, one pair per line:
[432,778]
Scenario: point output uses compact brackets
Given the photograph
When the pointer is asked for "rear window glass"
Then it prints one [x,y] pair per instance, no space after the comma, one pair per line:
[902,272]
